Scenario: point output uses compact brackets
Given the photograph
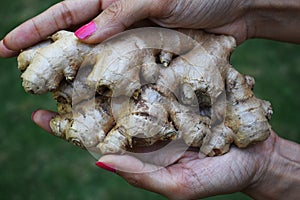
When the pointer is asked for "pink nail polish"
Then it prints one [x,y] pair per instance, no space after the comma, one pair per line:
[86,31]
[106,167]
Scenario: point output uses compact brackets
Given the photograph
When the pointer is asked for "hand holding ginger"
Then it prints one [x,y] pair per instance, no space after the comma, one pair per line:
[239,18]
[255,171]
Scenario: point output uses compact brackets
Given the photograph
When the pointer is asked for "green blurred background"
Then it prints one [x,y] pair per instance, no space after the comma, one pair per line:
[35,165]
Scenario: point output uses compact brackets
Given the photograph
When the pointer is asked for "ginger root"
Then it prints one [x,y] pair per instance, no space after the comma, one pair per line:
[147,85]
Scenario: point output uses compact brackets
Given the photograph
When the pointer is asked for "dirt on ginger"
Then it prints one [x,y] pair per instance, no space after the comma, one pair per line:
[147,85]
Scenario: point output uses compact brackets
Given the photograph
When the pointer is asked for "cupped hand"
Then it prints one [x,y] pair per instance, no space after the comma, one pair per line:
[193,175]
[187,175]
[105,18]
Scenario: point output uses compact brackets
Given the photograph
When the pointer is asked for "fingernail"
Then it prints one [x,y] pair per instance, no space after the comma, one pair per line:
[32,114]
[86,31]
[105,166]
[5,52]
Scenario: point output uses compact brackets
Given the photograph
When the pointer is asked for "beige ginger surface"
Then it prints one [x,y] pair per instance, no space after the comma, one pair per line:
[147,85]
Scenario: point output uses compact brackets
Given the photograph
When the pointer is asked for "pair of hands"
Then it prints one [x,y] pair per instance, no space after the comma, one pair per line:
[191,175]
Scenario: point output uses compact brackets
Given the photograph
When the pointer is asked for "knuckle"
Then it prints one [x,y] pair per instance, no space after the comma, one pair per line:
[36,29]
[114,10]
[117,13]
[63,16]
[167,8]
[139,180]
[67,15]
[133,180]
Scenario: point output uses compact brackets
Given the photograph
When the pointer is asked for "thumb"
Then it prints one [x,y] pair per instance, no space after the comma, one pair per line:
[42,118]
[120,15]
[137,173]
[127,164]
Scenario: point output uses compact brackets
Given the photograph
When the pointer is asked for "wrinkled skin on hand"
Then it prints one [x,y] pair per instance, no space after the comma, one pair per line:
[147,85]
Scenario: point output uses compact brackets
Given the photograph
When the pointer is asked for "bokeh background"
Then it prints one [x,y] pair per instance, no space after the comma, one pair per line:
[35,165]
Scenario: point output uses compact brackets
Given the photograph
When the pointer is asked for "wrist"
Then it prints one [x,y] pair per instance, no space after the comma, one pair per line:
[279,177]
[274,19]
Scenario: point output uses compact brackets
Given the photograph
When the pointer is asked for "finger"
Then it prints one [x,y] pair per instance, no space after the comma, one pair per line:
[5,52]
[238,30]
[120,15]
[42,119]
[162,153]
[139,174]
[60,16]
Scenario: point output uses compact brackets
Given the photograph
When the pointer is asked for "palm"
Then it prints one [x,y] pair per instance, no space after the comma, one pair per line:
[214,175]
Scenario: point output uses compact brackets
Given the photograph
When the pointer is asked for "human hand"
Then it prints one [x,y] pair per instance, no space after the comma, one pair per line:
[194,176]
[241,19]
[179,174]
[226,17]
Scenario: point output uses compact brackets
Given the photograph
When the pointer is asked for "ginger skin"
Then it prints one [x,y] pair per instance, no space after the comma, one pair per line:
[147,85]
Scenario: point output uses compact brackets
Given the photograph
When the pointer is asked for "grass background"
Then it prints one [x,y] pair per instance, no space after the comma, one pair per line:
[35,165]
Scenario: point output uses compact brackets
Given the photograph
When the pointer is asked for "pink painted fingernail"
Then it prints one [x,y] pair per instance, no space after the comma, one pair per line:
[86,31]
[105,166]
